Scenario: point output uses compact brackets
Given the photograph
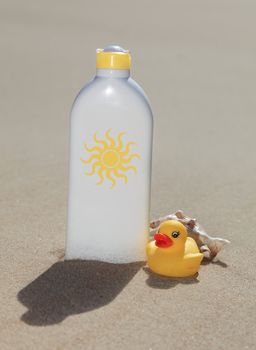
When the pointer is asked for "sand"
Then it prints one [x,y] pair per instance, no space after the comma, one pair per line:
[196,60]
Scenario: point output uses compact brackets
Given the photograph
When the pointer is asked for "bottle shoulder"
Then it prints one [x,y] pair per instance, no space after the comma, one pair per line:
[83,92]
[115,91]
[139,90]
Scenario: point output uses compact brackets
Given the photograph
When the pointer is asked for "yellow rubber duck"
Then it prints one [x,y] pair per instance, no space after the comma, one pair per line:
[172,253]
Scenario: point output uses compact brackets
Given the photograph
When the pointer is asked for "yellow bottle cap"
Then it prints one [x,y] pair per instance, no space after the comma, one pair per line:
[113,57]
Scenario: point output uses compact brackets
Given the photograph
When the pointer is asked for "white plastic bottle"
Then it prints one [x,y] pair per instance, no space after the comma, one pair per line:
[110,165]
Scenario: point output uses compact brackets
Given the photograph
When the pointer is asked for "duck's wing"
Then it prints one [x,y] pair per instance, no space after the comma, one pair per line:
[191,246]
[192,261]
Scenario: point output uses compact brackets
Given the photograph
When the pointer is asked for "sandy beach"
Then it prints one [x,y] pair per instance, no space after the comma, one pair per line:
[196,61]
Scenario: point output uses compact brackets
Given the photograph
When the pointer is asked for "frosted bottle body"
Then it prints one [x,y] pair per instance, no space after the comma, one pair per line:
[110,170]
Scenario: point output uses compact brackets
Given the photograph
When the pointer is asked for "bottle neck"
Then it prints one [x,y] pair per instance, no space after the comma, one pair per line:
[113,73]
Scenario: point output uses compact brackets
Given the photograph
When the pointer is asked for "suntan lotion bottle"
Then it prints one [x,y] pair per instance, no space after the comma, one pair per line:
[110,165]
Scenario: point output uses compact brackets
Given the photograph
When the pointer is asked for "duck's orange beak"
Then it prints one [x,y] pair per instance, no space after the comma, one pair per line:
[162,240]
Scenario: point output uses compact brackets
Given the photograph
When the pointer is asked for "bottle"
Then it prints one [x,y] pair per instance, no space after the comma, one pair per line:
[110,165]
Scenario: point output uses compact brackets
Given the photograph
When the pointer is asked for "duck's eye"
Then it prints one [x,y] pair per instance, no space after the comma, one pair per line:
[175,234]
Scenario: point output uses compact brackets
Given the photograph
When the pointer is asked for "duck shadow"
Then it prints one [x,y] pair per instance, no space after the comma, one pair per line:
[162,282]
[217,262]
[73,287]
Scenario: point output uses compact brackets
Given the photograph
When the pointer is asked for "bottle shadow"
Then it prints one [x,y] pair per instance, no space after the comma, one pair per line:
[73,287]
[162,282]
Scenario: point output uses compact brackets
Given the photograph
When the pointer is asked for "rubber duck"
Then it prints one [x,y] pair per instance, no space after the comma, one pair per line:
[172,253]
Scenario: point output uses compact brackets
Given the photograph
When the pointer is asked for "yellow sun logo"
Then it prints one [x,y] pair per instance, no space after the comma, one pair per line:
[109,158]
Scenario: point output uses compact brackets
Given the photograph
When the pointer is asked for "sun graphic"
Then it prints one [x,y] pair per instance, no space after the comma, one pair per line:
[109,158]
